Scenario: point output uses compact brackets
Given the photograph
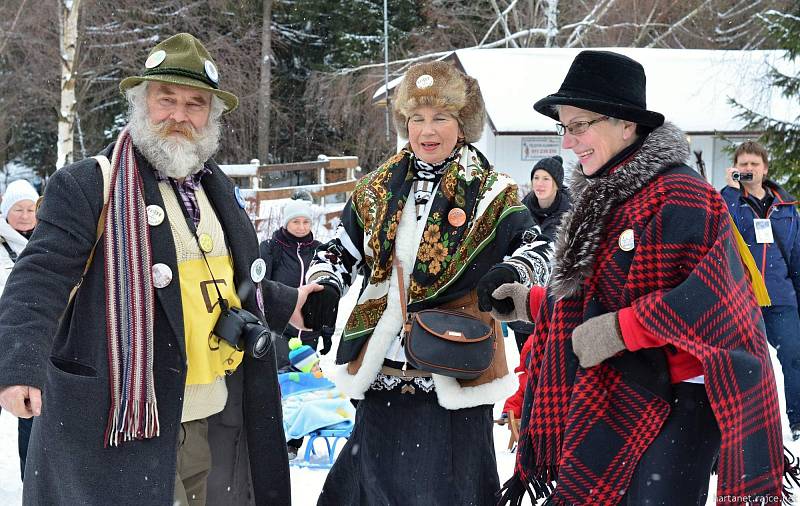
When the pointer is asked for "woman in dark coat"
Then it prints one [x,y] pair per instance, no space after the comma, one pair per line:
[547,201]
[287,256]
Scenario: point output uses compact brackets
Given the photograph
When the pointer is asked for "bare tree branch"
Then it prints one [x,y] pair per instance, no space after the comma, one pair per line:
[502,18]
[577,36]
[679,24]
[497,20]
[13,25]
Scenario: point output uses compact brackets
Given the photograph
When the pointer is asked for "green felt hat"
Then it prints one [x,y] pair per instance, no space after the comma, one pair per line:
[182,60]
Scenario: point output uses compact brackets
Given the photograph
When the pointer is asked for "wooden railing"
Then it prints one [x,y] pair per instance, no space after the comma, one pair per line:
[335,175]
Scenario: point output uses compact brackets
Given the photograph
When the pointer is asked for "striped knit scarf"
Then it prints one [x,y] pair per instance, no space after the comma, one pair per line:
[129,303]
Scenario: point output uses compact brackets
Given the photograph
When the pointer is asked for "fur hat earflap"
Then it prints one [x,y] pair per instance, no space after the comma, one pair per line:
[441,85]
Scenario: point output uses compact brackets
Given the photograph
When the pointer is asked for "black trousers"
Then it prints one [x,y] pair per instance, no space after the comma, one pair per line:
[676,467]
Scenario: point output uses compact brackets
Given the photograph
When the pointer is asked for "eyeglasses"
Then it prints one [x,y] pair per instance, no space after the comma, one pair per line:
[578,127]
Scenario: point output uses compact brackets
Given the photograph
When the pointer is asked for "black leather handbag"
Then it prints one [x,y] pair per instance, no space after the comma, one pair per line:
[446,342]
[449,343]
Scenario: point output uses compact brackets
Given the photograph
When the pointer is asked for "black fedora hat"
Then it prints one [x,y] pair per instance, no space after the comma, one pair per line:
[607,83]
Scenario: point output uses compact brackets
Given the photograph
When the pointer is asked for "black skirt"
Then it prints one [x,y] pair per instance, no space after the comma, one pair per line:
[405,449]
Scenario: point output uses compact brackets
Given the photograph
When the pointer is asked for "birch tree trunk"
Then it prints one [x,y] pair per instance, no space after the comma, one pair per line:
[264,84]
[551,20]
[68,45]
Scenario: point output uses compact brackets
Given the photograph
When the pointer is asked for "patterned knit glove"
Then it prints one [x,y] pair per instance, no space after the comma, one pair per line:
[597,339]
[520,296]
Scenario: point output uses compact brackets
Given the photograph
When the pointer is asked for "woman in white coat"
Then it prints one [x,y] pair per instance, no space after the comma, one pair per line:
[17,222]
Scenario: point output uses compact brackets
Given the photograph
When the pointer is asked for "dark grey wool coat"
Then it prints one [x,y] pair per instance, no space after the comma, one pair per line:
[66,357]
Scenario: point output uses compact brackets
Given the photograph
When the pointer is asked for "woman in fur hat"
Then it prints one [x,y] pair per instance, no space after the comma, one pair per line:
[440,211]
[649,361]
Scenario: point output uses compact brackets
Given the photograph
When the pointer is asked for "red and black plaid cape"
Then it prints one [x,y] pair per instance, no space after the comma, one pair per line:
[586,429]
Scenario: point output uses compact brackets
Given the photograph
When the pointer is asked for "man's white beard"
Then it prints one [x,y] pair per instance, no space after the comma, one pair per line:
[174,156]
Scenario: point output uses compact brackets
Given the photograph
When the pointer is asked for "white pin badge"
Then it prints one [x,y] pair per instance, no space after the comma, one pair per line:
[155,215]
[155,59]
[424,81]
[162,275]
[260,298]
[238,193]
[626,241]
[258,269]
[211,71]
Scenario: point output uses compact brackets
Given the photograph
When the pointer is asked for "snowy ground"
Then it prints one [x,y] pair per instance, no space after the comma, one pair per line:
[307,482]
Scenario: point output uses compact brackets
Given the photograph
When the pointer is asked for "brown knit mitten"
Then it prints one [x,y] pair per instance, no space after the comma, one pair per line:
[597,339]
[520,297]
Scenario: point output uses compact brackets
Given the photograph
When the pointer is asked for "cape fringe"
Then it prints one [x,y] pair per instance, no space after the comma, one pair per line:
[791,475]
[513,491]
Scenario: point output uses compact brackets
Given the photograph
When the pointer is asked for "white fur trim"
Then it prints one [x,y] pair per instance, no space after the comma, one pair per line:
[389,324]
[452,395]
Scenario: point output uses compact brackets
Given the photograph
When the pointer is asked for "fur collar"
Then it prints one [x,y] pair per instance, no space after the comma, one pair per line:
[582,227]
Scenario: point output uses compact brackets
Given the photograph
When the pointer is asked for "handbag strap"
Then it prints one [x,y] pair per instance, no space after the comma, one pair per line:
[401,284]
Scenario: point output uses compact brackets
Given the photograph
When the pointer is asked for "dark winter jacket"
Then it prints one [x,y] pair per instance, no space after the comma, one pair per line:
[287,259]
[587,428]
[548,220]
[64,352]
[779,262]
[549,217]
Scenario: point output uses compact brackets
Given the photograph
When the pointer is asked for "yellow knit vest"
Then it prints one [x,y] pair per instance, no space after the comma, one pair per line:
[208,359]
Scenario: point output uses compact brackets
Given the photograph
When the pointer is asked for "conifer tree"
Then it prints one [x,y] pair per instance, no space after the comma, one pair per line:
[781,137]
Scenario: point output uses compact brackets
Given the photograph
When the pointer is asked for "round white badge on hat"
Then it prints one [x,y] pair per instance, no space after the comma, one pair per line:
[258,269]
[162,275]
[626,241]
[155,215]
[211,71]
[424,81]
[155,59]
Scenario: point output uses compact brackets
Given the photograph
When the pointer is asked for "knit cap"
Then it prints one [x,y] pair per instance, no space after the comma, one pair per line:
[302,356]
[17,191]
[296,209]
[552,166]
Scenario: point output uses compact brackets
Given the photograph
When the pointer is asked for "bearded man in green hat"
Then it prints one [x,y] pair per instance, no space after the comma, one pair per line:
[154,382]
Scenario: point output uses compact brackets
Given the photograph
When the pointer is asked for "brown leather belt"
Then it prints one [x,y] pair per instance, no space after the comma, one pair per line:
[410,373]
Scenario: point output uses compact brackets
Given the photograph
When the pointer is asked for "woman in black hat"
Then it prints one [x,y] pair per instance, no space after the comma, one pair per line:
[649,360]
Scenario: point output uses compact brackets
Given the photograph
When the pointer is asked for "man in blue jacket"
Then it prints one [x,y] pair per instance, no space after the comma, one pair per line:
[767,218]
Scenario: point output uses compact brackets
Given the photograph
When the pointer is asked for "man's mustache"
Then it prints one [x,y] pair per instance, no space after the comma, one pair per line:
[169,126]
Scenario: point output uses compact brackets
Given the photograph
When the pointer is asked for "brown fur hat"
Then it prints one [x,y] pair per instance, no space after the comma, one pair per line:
[440,85]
